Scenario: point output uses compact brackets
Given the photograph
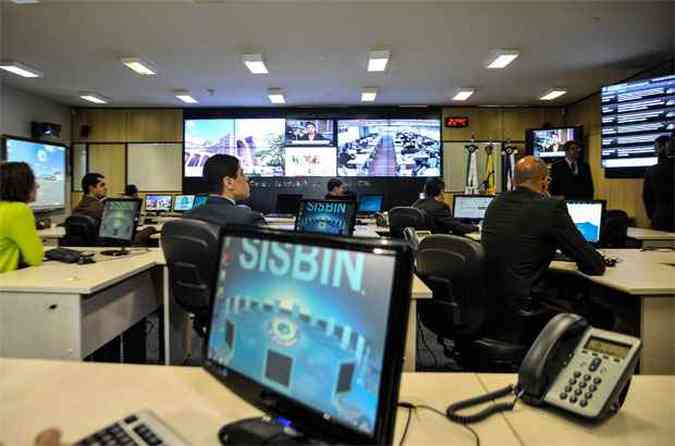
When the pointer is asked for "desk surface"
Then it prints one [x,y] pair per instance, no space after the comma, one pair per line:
[70,395]
[57,277]
[83,397]
[650,234]
[645,419]
[643,273]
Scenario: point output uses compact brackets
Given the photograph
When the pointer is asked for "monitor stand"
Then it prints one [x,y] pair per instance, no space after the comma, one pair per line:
[260,431]
[115,252]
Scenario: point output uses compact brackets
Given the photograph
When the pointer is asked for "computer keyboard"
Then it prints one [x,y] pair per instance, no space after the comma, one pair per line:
[64,255]
[141,428]
[273,215]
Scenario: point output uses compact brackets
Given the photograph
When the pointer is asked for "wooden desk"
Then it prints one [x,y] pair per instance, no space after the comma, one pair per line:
[83,397]
[68,311]
[646,417]
[650,277]
[651,238]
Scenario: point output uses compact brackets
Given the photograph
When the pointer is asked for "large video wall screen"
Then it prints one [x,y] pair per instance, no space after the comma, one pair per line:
[309,147]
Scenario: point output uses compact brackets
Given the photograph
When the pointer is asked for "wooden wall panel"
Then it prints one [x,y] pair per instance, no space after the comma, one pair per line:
[110,161]
[106,125]
[623,194]
[155,126]
[499,124]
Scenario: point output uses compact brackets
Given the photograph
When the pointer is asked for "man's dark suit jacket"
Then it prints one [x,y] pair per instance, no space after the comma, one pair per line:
[657,194]
[521,231]
[221,211]
[572,187]
[441,219]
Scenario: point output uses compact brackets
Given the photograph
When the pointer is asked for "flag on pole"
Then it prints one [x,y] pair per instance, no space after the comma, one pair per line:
[471,186]
[489,183]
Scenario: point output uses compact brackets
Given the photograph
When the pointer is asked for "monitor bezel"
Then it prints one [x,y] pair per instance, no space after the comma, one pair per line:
[579,138]
[109,241]
[305,419]
[175,200]
[66,171]
[602,217]
[145,197]
[369,212]
[351,222]
[454,206]
[276,204]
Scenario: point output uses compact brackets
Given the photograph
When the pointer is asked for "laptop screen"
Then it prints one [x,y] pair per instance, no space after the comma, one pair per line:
[587,216]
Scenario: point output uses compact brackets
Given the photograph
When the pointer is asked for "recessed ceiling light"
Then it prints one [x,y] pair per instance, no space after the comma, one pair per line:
[501,59]
[94,97]
[20,69]
[254,63]
[377,60]
[463,94]
[276,95]
[185,96]
[368,94]
[140,66]
[553,93]
[25,2]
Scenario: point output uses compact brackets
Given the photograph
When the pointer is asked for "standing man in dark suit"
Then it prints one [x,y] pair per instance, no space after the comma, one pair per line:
[571,177]
[521,232]
[659,188]
[226,184]
[440,217]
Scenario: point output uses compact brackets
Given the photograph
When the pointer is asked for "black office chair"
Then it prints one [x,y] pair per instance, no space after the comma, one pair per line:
[615,229]
[81,230]
[462,309]
[192,251]
[410,235]
[403,217]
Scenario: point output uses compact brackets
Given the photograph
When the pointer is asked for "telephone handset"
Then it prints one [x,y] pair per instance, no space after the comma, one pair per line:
[571,366]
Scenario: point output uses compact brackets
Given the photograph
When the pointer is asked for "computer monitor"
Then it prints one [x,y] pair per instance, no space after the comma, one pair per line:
[158,203]
[288,204]
[588,216]
[326,217]
[307,328]
[118,224]
[471,208]
[370,204]
[183,203]
[200,200]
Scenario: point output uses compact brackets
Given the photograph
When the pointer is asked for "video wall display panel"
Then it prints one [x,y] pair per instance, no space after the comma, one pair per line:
[634,114]
[389,147]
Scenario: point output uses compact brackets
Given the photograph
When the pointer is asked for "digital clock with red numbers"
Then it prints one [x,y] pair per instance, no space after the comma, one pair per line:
[457,122]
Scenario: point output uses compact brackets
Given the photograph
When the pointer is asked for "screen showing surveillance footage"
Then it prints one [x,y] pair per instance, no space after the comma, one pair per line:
[634,114]
[389,148]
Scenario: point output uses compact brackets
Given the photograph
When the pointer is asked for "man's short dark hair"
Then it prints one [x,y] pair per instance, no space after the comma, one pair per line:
[433,187]
[90,180]
[333,183]
[218,167]
[130,190]
[16,182]
[662,145]
[569,144]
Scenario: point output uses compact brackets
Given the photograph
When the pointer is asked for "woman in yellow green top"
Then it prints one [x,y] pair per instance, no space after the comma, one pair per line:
[19,241]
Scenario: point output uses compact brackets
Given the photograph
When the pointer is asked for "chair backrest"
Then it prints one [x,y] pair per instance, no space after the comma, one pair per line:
[615,230]
[81,230]
[410,235]
[454,268]
[192,251]
[403,217]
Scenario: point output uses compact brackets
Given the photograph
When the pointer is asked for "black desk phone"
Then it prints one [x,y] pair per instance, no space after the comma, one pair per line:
[571,366]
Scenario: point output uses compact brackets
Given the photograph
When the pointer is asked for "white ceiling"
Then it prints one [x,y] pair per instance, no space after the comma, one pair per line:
[317,51]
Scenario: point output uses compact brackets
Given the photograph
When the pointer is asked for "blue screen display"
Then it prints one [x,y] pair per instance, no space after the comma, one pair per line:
[587,217]
[308,322]
[199,200]
[370,204]
[326,217]
[183,203]
[49,166]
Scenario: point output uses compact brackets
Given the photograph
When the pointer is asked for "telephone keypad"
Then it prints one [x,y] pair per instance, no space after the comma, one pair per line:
[577,374]
[588,396]
[587,377]
[568,389]
[582,384]
[573,381]
[597,380]
[573,399]
[578,392]
[563,396]
[583,403]
[592,388]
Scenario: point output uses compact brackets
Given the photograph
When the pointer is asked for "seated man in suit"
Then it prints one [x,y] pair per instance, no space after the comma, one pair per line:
[226,184]
[95,191]
[521,231]
[571,177]
[337,190]
[440,217]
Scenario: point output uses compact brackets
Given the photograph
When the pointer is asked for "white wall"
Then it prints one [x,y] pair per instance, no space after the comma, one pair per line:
[18,108]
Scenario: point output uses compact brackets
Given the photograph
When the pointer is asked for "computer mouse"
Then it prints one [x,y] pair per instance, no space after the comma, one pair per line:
[610,262]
